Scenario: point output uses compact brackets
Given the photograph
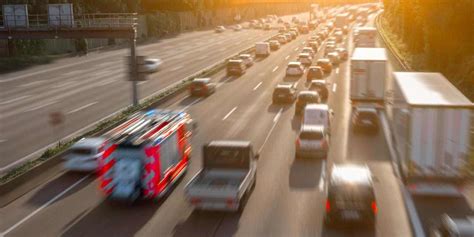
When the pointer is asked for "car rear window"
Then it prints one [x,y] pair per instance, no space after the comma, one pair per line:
[233,64]
[311,135]
[294,66]
[81,151]
[367,115]
[309,98]
[351,192]
[226,157]
[282,90]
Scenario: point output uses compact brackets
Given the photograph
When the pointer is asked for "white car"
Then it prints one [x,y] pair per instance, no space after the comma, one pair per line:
[237,28]
[84,155]
[247,58]
[334,57]
[295,69]
[308,50]
[305,59]
[150,65]
[313,141]
[220,29]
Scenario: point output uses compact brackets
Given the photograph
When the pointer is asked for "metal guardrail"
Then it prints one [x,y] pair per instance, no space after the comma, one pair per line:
[396,54]
[45,21]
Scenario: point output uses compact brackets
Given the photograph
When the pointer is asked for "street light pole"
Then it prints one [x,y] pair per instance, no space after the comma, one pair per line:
[134,71]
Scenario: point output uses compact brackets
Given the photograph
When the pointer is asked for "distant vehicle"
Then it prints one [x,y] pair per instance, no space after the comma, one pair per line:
[237,28]
[150,65]
[84,155]
[284,93]
[274,44]
[235,67]
[365,119]
[334,58]
[320,87]
[317,114]
[227,179]
[350,196]
[267,27]
[342,20]
[329,48]
[282,39]
[288,36]
[219,29]
[339,36]
[343,54]
[146,155]
[304,98]
[365,37]
[293,34]
[304,30]
[434,114]
[294,69]
[308,50]
[280,20]
[312,141]
[314,45]
[368,73]
[325,64]
[314,72]
[305,59]
[247,58]
[202,87]
[262,49]
[282,29]
[453,227]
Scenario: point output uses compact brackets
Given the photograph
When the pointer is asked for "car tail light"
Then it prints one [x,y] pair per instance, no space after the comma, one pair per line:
[328,206]
[230,202]
[324,144]
[195,201]
[373,205]
[297,142]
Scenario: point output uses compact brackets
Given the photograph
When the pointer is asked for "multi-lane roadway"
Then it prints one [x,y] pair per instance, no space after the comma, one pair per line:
[87,89]
[288,198]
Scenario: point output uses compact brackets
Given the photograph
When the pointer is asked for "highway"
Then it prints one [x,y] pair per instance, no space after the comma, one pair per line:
[88,89]
[287,200]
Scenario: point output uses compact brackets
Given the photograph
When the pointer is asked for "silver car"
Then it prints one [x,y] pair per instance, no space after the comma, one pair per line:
[84,155]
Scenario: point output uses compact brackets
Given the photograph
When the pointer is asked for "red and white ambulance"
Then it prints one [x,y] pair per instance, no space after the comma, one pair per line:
[146,155]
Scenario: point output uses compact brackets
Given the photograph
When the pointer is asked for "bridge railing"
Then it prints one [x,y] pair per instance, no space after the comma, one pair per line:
[45,21]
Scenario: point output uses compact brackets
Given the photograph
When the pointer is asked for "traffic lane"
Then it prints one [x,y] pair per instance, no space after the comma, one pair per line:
[178,56]
[430,209]
[200,132]
[114,85]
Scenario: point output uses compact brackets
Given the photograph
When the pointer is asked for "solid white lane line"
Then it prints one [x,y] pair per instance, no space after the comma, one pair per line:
[34,83]
[277,116]
[82,107]
[297,83]
[334,87]
[274,69]
[257,86]
[14,99]
[142,82]
[3,140]
[45,205]
[228,114]
[40,106]
[323,175]
[337,70]
[177,68]
[303,42]
[287,57]
[296,49]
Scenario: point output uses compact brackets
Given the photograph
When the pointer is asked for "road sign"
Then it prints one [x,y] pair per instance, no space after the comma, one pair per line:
[56,118]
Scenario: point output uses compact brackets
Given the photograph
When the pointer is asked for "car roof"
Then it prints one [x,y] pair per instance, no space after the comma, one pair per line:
[229,143]
[313,106]
[314,68]
[235,61]
[366,109]
[351,173]
[318,82]
[202,80]
[286,86]
[305,93]
[325,60]
[303,55]
[89,142]
[294,63]
[332,54]
[307,48]
[244,55]
[312,128]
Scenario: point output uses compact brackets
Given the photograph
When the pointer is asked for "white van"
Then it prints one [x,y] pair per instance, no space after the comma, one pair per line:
[262,49]
[316,114]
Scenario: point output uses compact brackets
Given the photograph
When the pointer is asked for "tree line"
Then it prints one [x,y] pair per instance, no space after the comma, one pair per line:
[439,34]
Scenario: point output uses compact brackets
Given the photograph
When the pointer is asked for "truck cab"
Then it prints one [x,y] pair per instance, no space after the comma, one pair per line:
[227,178]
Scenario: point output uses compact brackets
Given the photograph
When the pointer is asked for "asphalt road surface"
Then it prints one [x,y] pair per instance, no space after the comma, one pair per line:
[87,89]
[287,200]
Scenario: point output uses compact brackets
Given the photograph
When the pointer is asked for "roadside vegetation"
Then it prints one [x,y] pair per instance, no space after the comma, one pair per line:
[434,35]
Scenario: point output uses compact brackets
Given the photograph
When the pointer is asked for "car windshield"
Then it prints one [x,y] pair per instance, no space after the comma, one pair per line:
[306,135]
[81,151]
[226,157]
